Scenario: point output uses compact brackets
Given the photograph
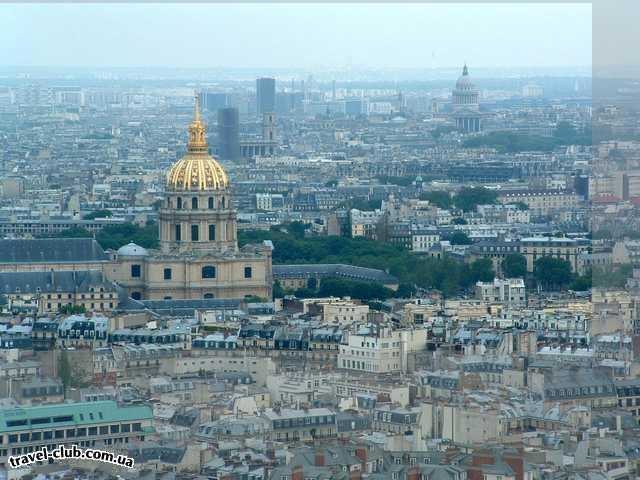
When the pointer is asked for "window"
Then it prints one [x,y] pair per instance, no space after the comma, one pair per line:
[134,295]
[212,232]
[194,233]
[179,202]
[208,295]
[209,271]
[210,203]
[222,202]
[247,272]
[135,271]
[194,203]
[104,430]
[167,274]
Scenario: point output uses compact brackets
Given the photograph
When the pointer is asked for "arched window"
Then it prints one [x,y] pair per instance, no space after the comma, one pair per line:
[210,202]
[194,203]
[209,271]
[179,202]
[223,202]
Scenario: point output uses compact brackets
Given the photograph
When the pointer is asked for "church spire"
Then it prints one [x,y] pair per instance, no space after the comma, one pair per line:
[197,131]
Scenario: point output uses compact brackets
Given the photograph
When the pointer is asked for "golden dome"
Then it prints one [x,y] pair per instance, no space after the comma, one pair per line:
[197,170]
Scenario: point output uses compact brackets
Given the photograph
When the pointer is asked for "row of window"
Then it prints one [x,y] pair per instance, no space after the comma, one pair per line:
[208,271]
[74,433]
[195,204]
[195,233]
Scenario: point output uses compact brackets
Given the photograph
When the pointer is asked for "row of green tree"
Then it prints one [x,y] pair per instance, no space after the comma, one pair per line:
[510,142]
[555,273]
[446,274]
[115,236]
[466,199]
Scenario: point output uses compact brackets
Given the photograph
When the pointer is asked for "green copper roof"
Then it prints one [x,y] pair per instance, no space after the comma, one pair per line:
[69,415]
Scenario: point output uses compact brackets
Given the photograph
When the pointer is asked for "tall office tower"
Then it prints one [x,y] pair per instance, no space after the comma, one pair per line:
[228,133]
[266,95]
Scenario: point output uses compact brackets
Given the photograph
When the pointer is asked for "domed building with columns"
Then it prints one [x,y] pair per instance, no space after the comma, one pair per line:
[199,255]
[466,104]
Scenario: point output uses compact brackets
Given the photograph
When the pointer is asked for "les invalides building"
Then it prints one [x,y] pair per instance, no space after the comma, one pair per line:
[199,255]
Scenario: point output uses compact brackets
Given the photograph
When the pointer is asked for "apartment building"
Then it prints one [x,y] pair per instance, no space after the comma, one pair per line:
[380,350]
[510,291]
[91,424]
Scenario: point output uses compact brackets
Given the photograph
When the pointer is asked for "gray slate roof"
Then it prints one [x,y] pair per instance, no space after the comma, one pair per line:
[50,250]
[61,281]
[334,270]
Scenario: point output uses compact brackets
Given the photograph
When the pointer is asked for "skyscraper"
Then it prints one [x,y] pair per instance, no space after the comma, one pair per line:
[266,95]
[228,133]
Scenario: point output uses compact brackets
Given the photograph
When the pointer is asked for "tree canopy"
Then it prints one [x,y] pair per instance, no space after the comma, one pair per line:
[552,273]
[514,265]
[468,198]
[439,198]
[98,214]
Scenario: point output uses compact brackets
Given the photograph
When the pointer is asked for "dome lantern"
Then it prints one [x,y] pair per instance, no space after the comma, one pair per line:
[197,170]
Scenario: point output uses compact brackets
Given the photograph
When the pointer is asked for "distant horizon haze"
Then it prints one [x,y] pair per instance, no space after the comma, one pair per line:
[297,36]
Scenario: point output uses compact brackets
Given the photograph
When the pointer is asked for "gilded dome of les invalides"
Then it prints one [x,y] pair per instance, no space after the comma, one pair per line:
[197,170]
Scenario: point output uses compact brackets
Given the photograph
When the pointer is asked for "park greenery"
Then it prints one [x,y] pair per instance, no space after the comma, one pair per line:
[466,199]
[98,214]
[510,142]
[115,236]
[514,265]
[447,274]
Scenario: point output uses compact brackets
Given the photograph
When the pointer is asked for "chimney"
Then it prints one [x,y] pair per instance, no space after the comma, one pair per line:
[361,453]
[297,473]
[413,474]
[355,475]
[319,459]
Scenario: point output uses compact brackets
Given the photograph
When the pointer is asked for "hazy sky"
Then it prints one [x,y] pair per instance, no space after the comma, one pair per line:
[285,35]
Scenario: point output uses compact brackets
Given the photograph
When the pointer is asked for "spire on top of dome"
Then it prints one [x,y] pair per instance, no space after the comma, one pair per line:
[197,131]
[465,70]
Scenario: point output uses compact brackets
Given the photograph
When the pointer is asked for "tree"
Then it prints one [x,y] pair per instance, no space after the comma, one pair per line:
[439,198]
[312,283]
[74,232]
[254,299]
[460,238]
[468,198]
[115,236]
[64,369]
[98,214]
[297,228]
[405,290]
[482,270]
[514,265]
[72,309]
[581,283]
[552,272]
[278,291]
